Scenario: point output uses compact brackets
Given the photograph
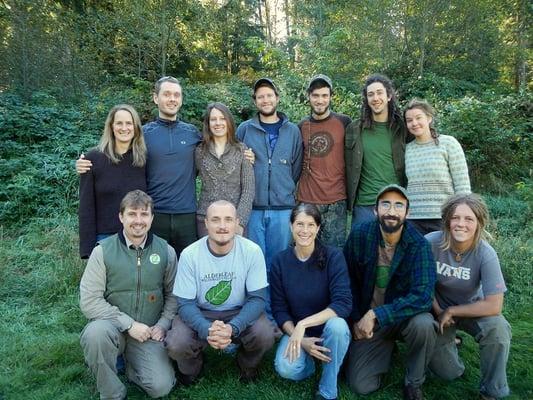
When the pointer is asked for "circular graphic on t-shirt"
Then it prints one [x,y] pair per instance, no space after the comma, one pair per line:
[321,144]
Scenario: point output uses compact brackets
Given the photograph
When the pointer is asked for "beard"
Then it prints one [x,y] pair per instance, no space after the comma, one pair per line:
[319,113]
[268,114]
[391,228]
[222,243]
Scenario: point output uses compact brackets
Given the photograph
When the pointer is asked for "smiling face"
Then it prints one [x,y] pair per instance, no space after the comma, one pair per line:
[378,100]
[304,230]
[221,221]
[463,227]
[218,126]
[266,100]
[168,100]
[136,222]
[123,127]
[418,123]
[320,99]
[391,211]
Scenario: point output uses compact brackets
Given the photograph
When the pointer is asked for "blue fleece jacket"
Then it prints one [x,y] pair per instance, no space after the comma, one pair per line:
[277,171]
[170,172]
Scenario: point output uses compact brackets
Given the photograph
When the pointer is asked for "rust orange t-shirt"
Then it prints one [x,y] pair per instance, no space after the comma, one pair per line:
[323,179]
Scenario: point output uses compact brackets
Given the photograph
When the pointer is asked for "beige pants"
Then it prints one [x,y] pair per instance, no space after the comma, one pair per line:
[147,363]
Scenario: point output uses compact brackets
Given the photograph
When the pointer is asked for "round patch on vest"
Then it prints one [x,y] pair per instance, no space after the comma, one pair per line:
[155,259]
[152,298]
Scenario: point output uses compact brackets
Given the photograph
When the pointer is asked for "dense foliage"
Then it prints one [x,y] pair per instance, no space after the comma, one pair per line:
[41,139]
[72,45]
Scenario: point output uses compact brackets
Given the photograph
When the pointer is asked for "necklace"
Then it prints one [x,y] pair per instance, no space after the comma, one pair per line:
[459,256]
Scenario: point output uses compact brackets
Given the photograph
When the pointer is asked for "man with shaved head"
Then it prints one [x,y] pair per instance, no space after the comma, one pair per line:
[221,288]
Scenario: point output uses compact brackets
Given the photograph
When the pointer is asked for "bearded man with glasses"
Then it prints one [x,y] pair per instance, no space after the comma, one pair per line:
[392,273]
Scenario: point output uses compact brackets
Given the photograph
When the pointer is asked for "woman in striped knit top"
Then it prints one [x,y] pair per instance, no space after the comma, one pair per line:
[435,166]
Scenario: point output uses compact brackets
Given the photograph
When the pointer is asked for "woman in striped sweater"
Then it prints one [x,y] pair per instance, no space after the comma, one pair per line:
[435,166]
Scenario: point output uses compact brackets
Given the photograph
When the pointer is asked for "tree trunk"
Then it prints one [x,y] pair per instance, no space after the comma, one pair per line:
[521,32]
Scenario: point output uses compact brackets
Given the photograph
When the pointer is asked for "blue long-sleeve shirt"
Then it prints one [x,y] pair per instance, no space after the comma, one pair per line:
[412,273]
[300,289]
[170,171]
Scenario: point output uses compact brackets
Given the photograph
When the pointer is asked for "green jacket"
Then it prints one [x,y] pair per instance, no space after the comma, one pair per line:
[135,277]
[123,285]
[353,156]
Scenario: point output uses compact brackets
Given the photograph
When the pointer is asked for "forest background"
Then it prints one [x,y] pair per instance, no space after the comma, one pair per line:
[64,63]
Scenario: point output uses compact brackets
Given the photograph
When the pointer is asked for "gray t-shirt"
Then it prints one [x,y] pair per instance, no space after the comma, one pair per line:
[220,283]
[476,276]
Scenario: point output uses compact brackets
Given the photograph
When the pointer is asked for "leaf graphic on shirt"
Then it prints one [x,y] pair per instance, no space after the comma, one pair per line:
[219,293]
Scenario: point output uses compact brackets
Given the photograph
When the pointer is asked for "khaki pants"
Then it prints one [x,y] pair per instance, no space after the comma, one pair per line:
[369,359]
[184,345]
[493,334]
[147,363]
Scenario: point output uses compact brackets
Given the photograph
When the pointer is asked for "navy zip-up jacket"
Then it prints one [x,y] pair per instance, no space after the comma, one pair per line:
[170,171]
[276,172]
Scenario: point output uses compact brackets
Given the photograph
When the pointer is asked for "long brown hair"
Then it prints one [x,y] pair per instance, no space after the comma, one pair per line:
[107,140]
[478,207]
[426,108]
[312,211]
[230,124]
[394,110]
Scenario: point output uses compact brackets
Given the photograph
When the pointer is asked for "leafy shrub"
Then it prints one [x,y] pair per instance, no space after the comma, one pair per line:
[41,139]
[496,134]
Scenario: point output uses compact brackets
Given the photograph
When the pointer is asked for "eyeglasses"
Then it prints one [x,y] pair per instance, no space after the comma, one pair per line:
[386,205]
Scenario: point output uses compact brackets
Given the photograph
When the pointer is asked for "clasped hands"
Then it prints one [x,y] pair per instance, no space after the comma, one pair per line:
[219,336]
[142,332]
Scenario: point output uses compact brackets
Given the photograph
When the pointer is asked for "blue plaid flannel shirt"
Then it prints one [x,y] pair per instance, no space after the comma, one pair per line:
[412,273]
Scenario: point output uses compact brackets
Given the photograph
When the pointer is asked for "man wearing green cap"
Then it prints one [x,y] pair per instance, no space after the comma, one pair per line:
[393,274]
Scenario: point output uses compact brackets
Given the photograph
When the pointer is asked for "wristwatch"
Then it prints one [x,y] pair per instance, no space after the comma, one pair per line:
[234,331]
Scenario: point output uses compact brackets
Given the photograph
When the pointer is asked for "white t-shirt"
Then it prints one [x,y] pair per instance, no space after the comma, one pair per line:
[220,283]
[476,276]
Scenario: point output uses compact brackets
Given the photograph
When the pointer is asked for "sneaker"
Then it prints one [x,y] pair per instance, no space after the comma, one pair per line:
[318,396]
[486,397]
[411,392]
[231,348]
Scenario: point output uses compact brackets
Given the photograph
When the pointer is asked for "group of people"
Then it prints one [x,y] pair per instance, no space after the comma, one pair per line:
[269,262]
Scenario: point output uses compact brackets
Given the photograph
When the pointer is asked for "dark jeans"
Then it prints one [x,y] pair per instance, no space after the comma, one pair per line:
[179,230]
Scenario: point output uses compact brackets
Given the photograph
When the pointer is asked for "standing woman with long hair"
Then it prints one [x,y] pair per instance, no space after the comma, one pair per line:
[118,167]
[469,295]
[435,166]
[311,297]
[224,171]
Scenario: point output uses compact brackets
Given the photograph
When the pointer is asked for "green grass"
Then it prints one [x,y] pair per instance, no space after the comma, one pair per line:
[42,359]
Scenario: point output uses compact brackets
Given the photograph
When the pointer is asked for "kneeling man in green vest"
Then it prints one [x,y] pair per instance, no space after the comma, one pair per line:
[126,293]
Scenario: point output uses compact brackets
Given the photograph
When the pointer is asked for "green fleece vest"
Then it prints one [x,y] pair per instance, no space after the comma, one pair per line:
[135,278]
